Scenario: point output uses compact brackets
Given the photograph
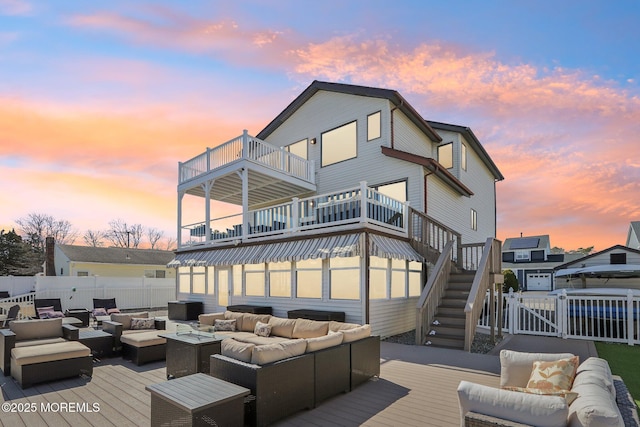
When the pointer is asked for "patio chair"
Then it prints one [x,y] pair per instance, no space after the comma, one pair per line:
[12,314]
[47,308]
[103,308]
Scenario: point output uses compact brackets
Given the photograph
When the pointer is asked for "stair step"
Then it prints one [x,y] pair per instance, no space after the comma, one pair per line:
[450,311]
[453,303]
[445,342]
[450,320]
[461,278]
[456,294]
[447,330]
[459,286]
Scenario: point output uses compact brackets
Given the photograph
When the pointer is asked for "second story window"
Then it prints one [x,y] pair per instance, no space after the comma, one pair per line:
[373,126]
[474,219]
[339,144]
[463,157]
[445,155]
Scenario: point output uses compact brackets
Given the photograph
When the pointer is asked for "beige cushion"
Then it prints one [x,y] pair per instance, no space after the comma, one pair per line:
[338,326]
[225,325]
[237,316]
[282,327]
[595,371]
[553,375]
[143,339]
[356,334]
[36,329]
[237,350]
[39,342]
[249,321]
[530,409]
[208,319]
[262,329]
[254,339]
[141,323]
[325,341]
[594,407]
[237,335]
[516,367]
[49,352]
[568,395]
[278,351]
[125,318]
[305,328]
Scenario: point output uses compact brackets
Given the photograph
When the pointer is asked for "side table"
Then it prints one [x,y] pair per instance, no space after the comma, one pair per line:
[184,310]
[197,400]
[100,342]
[79,313]
[189,353]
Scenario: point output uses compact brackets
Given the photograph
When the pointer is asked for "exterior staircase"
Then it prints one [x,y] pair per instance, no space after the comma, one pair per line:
[448,327]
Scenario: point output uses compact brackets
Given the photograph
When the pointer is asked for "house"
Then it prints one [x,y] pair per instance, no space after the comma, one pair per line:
[633,235]
[342,203]
[614,267]
[531,260]
[73,260]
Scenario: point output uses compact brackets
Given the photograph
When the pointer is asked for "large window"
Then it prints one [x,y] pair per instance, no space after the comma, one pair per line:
[309,278]
[199,281]
[445,155]
[398,278]
[211,280]
[396,190]
[254,280]
[299,149]
[344,277]
[339,144]
[415,278]
[237,280]
[378,277]
[373,126]
[184,280]
[280,279]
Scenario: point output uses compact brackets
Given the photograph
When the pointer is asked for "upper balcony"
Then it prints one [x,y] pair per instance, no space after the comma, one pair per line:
[272,173]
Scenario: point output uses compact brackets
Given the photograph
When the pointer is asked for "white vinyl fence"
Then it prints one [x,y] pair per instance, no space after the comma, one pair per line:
[19,285]
[593,317]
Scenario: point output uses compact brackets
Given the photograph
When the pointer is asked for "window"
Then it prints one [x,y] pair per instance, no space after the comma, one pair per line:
[237,280]
[280,279]
[309,278]
[508,257]
[396,190]
[445,155]
[398,278]
[211,280]
[339,144]
[184,280]
[344,278]
[378,277]
[373,126]
[82,274]
[198,280]
[154,274]
[474,219]
[463,157]
[618,258]
[415,278]
[254,280]
[299,149]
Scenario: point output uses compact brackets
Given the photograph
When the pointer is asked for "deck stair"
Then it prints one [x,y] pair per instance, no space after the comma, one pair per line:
[448,328]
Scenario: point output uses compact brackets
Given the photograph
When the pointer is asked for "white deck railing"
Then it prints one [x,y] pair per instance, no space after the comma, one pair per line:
[326,210]
[592,317]
[246,147]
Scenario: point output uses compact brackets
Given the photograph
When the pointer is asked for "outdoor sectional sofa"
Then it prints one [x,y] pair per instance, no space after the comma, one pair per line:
[136,336]
[41,350]
[595,398]
[297,365]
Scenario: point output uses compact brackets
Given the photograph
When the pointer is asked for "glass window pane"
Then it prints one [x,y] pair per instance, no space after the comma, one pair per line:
[254,284]
[339,262]
[339,144]
[463,157]
[309,263]
[254,267]
[211,284]
[398,264]
[414,265]
[414,284]
[373,126]
[280,284]
[377,284]
[345,284]
[445,155]
[309,283]
[237,280]
[280,265]
[397,190]
[184,282]
[398,284]
[299,149]
[198,283]
[223,287]
[378,262]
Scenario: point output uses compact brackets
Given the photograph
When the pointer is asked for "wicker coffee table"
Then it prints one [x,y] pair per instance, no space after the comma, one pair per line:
[188,353]
[197,400]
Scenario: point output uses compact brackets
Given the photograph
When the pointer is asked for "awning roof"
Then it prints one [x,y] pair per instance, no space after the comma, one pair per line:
[346,245]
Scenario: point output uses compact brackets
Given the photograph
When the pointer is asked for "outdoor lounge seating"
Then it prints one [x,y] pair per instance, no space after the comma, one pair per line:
[40,350]
[12,314]
[545,389]
[103,308]
[137,336]
[46,308]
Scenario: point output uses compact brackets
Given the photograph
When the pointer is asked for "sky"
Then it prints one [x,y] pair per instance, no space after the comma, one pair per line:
[99,101]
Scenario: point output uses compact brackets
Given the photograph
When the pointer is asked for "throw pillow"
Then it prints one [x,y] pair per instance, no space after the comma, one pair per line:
[113,310]
[142,323]
[262,329]
[555,375]
[56,314]
[224,325]
[568,395]
[99,312]
[45,312]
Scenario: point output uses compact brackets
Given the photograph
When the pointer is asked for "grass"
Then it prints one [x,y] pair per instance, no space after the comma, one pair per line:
[623,360]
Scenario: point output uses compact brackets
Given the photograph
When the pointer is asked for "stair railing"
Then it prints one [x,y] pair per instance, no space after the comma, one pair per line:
[432,293]
[489,273]
[429,237]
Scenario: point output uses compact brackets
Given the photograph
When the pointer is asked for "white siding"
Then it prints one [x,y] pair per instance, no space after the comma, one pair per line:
[392,317]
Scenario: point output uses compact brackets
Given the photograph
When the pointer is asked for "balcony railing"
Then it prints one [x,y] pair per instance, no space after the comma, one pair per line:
[312,213]
[246,147]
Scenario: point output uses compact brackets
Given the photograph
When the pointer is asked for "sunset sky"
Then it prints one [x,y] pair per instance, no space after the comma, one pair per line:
[99,101]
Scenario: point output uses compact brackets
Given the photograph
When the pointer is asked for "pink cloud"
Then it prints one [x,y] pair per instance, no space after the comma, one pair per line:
[15,7]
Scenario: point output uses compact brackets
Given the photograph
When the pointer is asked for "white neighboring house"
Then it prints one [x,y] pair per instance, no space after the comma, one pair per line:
[339,199]
[633,236]
[614,267]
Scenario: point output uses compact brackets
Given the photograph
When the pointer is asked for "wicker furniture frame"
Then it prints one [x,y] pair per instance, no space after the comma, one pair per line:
[189,354]
[184,310]
[27,375]
[338,316]
[139,355]
[332,372]
[280,388]
[116,328]
[248,308]
[100,342]
[365,360]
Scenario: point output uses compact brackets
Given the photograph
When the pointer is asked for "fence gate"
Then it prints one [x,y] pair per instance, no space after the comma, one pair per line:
[533,315]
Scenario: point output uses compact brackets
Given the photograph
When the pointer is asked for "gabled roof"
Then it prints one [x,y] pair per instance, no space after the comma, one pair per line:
[612,248]
[634,228]
[471,138]
[519,243]
[373,92]
[116,255]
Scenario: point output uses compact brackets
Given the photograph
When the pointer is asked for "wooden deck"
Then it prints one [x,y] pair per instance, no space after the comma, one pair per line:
[417,387]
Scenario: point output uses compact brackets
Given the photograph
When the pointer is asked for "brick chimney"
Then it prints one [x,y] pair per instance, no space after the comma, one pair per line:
[49,259]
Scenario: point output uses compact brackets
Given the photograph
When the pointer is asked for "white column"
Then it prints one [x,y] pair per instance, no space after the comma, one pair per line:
[295,214]
[363,201]
[207,187]
[245,203]
[179,236]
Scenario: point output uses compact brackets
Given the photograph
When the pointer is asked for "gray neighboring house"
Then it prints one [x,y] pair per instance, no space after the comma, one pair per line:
[530,258]
[633,236]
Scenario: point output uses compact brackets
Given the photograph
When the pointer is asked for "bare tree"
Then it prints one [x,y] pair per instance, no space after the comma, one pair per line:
[94,238]
[123,235]
[36,227]
[154,235]
[170,244]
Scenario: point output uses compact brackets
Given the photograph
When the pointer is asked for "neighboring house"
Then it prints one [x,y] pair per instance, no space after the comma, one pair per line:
[340,199]
[615,267]
[633,236]
[72,260]
[530,258]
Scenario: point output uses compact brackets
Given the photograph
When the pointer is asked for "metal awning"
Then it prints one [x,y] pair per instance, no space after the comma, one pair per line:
[386,247]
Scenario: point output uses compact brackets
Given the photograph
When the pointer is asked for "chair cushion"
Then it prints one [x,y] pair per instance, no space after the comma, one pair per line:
[36,329]
[209,318]
[100,311]
[282,327]
[336,326]
[143,339]
[569,395]
[255,339]
[125,318]
[39,342]
[237,350]
[325,341]
[355,334]
[595,371]
[515,366]
[49,352]
[594,407]
[305,328]
[553,375]
[270,353]
[249,321]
